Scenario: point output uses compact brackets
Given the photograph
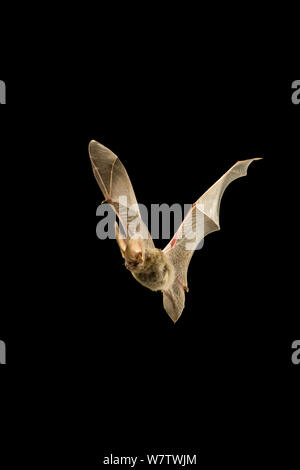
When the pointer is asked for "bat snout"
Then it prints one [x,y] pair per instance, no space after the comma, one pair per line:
[133,263]
[133,255]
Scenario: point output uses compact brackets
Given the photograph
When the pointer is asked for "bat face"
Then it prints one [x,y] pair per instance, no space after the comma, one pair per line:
[133,254]
[159,270]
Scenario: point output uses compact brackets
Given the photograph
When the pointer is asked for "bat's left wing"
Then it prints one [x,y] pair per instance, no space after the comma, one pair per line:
[202,219]
[117,189]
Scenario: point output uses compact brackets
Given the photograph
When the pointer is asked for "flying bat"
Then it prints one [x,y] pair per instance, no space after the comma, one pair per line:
[158,270]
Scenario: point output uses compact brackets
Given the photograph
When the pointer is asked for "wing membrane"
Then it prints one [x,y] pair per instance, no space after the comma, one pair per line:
[117,189]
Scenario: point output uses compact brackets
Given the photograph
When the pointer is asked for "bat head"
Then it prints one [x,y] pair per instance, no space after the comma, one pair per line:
[131,250]
[133,254]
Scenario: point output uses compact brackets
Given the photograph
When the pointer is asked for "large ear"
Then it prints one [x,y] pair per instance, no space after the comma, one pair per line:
[122,242]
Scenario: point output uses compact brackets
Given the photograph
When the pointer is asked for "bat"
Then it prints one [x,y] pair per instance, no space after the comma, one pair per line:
[158,270]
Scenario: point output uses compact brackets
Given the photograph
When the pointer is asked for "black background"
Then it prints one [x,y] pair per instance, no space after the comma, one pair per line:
[94,352]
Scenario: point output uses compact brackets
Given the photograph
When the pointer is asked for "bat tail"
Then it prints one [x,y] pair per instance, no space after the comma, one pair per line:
[174,296]
[174,301]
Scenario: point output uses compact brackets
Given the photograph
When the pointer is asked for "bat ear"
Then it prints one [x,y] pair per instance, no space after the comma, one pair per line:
[122,242]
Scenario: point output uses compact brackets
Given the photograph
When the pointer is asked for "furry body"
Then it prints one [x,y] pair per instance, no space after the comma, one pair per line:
[156,272]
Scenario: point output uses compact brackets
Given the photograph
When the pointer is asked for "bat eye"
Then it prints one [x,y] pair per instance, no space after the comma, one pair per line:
[130,264]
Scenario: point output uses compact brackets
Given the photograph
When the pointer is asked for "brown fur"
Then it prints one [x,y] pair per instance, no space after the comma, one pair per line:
[155,272]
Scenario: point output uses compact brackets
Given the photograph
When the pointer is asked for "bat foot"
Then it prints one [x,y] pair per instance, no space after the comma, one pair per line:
[185,288]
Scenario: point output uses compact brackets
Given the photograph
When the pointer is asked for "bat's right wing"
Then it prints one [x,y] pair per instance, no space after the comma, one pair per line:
[202,219]
[117,189]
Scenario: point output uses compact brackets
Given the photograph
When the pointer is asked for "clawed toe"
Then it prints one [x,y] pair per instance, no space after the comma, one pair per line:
[182,285]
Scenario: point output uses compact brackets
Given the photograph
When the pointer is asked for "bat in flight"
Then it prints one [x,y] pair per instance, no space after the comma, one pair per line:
[158,270]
